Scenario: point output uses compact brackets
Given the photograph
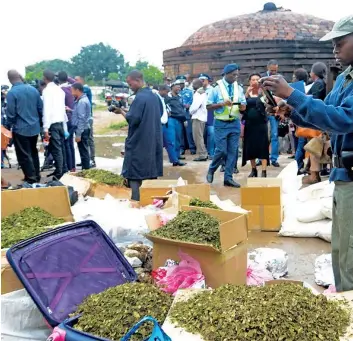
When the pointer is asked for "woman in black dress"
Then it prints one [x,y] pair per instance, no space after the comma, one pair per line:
[256,142]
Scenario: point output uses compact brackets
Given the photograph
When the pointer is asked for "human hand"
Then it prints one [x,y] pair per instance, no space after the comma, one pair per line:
[78,139]
[242,107]
[46,136]
[227,103]
[278,85]
[68,108]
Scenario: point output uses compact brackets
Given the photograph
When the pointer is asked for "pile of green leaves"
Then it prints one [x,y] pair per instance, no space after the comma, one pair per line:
[102,176]
[112,313]
[285,312]
[199,203]
[192,226]
[26,224]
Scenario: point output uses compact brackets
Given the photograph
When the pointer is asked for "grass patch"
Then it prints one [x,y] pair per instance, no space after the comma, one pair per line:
[100,107]
[118,125]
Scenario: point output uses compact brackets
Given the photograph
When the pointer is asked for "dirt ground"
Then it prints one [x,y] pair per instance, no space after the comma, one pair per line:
[301,251]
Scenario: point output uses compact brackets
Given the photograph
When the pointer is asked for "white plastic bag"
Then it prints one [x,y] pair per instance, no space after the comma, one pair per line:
[274,260]
[291,182]
[323,270]
[227,205]
[257,275]
[310,211]
[21,319]
[293,228]
[326,207]
[320,190]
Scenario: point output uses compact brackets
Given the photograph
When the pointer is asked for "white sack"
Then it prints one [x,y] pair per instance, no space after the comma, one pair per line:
[326,207]
[21,319]
[310,211]
[291,182]
[293,228]
[317,191]
[121,222]
[323,270]
[274,260]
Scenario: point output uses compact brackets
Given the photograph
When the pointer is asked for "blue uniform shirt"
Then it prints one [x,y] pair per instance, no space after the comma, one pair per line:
[187,94]
[216,97]
[24,110]
[333,115]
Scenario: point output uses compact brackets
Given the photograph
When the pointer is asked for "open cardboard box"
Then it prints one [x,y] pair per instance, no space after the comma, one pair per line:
[262,196]
[153,189]
[54,200]
[219,267]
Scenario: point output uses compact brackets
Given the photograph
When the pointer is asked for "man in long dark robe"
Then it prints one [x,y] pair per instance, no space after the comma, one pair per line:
[143,146]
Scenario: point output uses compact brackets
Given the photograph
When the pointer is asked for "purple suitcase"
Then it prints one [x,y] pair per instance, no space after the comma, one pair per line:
[61,267]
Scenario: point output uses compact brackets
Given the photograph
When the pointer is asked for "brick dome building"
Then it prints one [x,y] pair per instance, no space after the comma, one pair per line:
[251,40]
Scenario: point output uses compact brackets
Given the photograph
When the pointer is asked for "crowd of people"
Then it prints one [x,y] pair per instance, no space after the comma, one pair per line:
[59,109]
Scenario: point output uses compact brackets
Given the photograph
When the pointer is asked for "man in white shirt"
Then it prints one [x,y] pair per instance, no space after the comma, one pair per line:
[54,117]
[198,112]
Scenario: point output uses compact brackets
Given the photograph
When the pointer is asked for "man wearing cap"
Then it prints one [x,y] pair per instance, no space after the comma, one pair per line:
[227,99]
[206,82]
[186,94]
[334,115]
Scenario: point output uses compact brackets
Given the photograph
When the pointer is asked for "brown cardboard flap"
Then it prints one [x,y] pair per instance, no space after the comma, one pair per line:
[260,196]
[264,182]
[54,200]
[233,232]
[201,191]
[196,246]
[160,183]
[99,190]
[9,280]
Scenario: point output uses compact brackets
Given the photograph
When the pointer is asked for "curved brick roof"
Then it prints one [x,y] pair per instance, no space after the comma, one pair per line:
[263,25]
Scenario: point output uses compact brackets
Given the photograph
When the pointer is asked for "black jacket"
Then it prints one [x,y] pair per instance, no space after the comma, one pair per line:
[318,89]
[176,107]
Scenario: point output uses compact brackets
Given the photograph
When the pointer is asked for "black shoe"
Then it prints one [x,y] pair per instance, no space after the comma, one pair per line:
[253,173]
[181,157]
[175,164]
[325,172]
[264,174]
[231,183]
[258,163]
[198,159]
[79,165]
[209,178]
[182,153]
[291,157]
[93,164]
[275,164]
[51,174]
[223,169]
[235,170]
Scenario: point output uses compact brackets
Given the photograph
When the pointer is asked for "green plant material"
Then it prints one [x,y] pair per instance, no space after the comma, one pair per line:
[118,126]
[192,226]
[26,224]
[102,176]
[286,312]
[199,203]
[112,313]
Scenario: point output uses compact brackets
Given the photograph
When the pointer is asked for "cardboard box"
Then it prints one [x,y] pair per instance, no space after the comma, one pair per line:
[262,196]
[151,189]
[183,194]
[54,200]
[218,267]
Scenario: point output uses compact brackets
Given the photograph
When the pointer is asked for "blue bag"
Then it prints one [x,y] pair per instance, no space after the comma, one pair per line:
[157,333]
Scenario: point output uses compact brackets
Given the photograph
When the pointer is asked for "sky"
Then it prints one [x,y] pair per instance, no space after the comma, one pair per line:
[35,30]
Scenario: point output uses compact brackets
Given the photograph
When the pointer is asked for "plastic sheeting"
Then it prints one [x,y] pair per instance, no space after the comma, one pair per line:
[323,270]
[273,260]
[123,224]
[21,319]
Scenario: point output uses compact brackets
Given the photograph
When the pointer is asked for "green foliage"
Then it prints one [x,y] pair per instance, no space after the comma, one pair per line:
[200,203]
[152,74]
[98,61]
[118,126]
[113,76]
[35,71]
[102,176]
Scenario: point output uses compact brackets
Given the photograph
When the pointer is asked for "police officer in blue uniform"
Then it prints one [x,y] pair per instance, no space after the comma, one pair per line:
[335,116]
[187,95]
[227,100]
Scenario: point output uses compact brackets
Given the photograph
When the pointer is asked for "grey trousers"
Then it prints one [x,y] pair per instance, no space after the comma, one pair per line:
[92,151]
[198,131]
[342,235]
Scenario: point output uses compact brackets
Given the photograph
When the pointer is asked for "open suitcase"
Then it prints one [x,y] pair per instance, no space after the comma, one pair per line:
[61,267]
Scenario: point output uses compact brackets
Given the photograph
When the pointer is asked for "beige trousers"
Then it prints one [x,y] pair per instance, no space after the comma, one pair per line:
[198,130]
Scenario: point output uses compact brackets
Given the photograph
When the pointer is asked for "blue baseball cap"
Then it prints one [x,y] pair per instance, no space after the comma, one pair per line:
[230,68]
[181,78]
[204,76]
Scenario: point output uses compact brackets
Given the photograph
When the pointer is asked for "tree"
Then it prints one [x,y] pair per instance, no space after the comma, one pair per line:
[98,61]
[152,75]
[113,76]
[35,71]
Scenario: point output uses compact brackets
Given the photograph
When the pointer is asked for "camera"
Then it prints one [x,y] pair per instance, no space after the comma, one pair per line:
[116,105]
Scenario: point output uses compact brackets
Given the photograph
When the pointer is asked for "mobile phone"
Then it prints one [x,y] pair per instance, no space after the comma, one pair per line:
[269,97]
